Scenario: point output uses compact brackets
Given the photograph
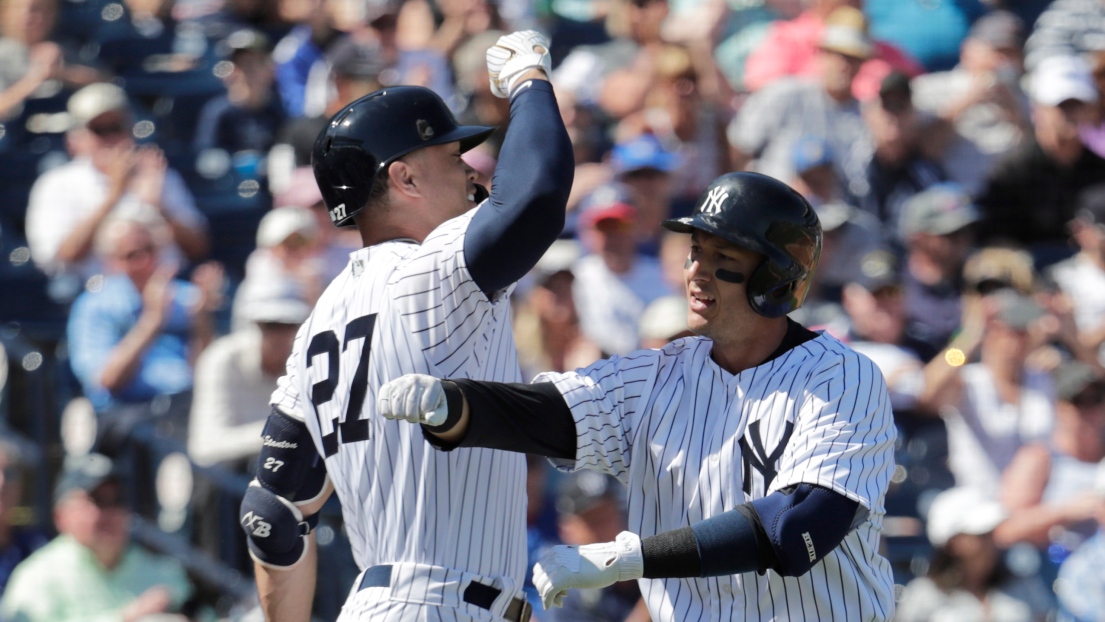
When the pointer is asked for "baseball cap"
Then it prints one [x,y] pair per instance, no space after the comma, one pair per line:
[282,222]
[302,190]
[642,152]
[94,100]
[608,202]
[810,152]
[664,318]
[560,257]
[878,269]
[940,210]
[845,32]
[1000,29]
[248,40]
[833,214]
[1074,377]
[961,510]
[1060,78]
[895,93]
[1016,310]
[356,59]
[278,301]
[582,490]
[85,473]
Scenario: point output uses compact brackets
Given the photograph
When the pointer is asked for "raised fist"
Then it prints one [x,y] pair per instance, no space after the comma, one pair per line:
[514,54]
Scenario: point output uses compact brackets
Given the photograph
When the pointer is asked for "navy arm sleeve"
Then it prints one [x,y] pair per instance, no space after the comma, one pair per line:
[529,193]
[787,531]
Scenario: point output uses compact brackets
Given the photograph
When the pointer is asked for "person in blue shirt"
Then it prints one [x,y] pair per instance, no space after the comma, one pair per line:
[134,333]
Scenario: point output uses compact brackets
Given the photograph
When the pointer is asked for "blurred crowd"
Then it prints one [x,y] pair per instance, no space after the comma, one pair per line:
[163,233]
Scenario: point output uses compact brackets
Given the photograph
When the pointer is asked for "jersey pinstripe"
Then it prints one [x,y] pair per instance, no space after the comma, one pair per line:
[692,441]
[401,308]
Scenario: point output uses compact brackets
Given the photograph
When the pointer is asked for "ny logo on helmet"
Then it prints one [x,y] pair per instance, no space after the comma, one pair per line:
[714,201]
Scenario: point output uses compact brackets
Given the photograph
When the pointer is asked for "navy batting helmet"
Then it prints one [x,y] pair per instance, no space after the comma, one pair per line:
[363,138]
[765,215]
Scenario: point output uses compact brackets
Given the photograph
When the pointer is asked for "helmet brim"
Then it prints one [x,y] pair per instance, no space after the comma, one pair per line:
[690,224]
[469,136]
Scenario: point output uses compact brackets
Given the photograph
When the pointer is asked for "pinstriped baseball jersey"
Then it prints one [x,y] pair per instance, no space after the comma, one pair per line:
[401,308]
[691,441]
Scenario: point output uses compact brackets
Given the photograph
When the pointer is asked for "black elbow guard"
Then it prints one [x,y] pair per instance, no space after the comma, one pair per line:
[805,523]
[288,464]
[275,528]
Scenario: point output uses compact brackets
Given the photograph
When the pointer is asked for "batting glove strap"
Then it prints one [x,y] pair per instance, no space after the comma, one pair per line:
[631,562]
[514,54]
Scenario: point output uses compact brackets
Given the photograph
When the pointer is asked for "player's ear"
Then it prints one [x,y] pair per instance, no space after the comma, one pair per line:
[401,176]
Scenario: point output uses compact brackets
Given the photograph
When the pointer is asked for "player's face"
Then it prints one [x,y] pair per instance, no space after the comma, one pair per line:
[448,183]
[718,308]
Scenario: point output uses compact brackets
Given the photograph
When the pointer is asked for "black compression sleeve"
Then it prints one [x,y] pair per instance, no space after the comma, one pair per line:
[527,418]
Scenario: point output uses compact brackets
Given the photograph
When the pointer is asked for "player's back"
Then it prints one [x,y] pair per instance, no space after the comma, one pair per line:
[401,308]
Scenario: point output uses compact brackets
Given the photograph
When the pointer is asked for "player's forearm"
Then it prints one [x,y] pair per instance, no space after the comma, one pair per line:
[286,595]
[526,418]
[529,196]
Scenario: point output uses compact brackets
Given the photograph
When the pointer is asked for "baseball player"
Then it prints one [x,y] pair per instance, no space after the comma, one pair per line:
[756,453]
[427,294]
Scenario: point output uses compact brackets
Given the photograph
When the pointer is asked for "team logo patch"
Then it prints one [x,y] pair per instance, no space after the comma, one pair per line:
[756,456]
[714,201]
[425,132]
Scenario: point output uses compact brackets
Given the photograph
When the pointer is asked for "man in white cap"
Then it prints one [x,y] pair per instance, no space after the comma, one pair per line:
[237,373]
[109,174]
[1031,195]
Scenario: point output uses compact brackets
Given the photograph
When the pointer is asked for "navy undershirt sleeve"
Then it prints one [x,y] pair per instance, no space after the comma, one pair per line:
[529,193]
[526,418]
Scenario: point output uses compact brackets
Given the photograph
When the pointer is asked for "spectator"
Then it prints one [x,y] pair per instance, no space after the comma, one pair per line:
[898,170]
[850,236]
[244,121]
[236,375]
[664,320]
[937,227]
[301,50]
[1081,584]
[591,509]
[876,313]
[774,118]
[644,166]
[1093,130]
[31,65]
[133,335]
[92,570]
[689,123]
[927,31]
[546,324]
[354,70]
[1048,488]
[614,282]
[287,250]
[1066,28]
[17,542]
[1082,277]
[1032,192]
[997,405]
[981,96]
[967,579]
[791,49]
[333,245]
[109,175]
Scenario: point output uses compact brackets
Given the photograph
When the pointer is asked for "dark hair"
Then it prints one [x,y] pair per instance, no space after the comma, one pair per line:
[944,571]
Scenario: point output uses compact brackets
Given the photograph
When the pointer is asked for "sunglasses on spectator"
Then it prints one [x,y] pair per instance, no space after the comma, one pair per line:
[108,128]
[138,253]
[1092,395]
[985,287]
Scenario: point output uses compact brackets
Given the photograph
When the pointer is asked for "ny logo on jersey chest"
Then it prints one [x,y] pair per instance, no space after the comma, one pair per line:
[755,456]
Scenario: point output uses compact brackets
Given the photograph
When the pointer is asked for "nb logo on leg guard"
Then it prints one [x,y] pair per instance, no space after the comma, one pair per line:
[256,524]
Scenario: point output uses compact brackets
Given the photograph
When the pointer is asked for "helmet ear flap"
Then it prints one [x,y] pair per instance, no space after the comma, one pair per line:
[770,292]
